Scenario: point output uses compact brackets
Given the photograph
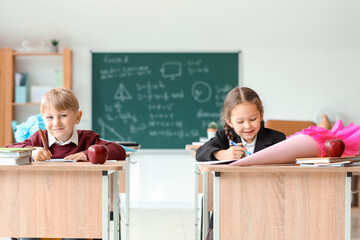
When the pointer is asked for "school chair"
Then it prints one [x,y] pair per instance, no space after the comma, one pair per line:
[288,127]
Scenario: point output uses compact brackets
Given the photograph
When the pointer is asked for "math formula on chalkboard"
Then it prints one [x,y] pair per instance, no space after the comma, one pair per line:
[160,100]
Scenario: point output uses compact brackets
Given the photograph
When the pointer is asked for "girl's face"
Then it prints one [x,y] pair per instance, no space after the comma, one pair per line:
[246,119]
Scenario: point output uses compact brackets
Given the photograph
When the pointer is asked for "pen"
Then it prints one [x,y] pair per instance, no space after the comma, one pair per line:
[43,140]
[237,145]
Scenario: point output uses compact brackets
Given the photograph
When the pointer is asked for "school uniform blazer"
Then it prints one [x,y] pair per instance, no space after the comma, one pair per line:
[265,138]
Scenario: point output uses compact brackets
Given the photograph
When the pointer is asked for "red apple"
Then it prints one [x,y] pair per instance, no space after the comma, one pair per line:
[334,147]
[98,153]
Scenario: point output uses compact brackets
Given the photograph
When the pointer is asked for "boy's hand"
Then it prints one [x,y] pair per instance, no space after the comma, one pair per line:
[41,154]
[232,152]
[80,156]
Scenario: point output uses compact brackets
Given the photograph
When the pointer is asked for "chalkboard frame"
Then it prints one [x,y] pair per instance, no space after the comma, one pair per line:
[203,134]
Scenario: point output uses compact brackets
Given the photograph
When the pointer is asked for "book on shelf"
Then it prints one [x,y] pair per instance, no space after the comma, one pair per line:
[15,160]
[15,152]
[21,88]
[327,160]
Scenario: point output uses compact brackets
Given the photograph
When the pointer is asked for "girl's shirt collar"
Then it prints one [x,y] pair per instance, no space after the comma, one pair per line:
[250,147]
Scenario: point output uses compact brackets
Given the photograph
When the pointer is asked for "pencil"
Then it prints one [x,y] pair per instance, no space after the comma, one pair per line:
[43,140]
[237,145]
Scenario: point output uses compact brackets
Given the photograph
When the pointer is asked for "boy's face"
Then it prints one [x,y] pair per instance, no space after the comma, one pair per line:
[61,123]
[246,120]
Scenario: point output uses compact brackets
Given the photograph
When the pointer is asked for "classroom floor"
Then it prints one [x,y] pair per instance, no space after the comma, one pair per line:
[178,224]
[355,226]
[158,224]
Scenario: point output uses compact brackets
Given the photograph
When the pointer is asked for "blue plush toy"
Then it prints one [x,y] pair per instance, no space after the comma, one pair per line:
[28,128]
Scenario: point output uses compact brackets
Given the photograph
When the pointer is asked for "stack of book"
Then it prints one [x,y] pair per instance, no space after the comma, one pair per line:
[15,156]
[329,161]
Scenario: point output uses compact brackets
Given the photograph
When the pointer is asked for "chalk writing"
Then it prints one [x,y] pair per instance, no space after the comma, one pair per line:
[197,67]
[159,107]
[174,133]
[178,124]
[123,59]
[135,129]
[202,114]
[161,100]
[161,115]
[124,72]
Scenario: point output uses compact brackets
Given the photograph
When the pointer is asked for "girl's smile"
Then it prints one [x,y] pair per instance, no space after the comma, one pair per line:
[246,120]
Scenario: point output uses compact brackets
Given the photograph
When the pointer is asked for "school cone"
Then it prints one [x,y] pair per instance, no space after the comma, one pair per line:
[299,146]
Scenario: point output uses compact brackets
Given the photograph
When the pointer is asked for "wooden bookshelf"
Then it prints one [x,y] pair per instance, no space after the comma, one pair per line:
[7,86]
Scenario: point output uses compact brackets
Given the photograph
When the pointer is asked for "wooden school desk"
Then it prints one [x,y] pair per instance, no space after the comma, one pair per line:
[203,184]
[59,200]
[281,202]
[125,188]
[125,182]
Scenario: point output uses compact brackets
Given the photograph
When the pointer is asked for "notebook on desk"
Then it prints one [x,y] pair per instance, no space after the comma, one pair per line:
[217,162]
[61,160]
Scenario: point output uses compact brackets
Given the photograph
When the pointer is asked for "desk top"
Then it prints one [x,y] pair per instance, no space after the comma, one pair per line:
[66,166]
[275,168]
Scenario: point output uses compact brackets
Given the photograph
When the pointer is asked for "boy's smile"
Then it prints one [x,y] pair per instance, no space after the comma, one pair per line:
[61,123]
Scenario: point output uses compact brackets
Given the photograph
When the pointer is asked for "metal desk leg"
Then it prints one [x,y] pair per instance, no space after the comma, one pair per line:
[216,212]
[127,194]
[348,206]
[105,206]
[116,206]
[205,210]
[127,200]
[196,201]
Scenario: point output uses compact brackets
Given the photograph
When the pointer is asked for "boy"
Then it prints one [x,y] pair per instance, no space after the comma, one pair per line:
[60,110]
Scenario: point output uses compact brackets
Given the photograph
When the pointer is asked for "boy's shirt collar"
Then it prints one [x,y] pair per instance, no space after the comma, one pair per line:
[250,147]
[74,138]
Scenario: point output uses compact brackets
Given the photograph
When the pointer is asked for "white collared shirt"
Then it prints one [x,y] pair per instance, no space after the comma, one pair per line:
[74,138]
[250,147]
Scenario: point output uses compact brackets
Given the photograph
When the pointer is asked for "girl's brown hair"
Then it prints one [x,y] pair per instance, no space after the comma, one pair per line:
[61,99]
[237,96]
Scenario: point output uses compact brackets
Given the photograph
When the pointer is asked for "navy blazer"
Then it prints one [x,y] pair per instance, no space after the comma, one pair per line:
[265,138]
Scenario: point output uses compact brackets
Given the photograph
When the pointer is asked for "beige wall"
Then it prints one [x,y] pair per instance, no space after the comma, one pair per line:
[301,56]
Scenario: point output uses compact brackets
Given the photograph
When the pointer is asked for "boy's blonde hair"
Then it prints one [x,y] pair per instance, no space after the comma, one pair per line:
[61,99]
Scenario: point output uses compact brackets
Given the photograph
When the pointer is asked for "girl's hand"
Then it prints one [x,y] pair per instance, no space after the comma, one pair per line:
[232,152]
[80,156]
[41,154]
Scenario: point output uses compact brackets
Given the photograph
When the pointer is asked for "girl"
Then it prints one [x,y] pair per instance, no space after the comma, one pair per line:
[243,124]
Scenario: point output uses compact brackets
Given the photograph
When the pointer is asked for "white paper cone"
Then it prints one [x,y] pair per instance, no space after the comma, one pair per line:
[299,146]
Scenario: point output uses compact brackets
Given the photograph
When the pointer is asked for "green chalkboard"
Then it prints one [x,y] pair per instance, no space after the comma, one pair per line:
[160,100]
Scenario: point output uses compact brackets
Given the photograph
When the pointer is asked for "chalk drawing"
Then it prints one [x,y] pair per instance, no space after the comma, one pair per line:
[171,70]
[122,93]
[104,127]
[201,91]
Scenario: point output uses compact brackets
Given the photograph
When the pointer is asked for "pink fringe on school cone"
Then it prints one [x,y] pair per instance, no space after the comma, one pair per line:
[306,143]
